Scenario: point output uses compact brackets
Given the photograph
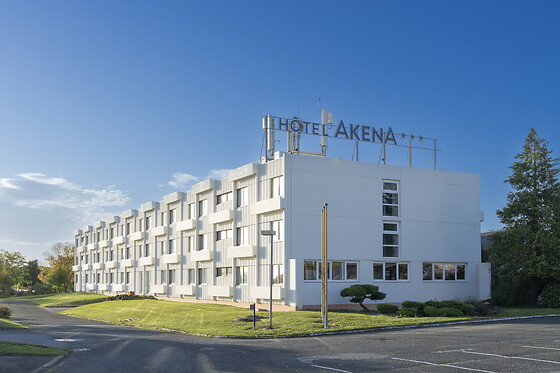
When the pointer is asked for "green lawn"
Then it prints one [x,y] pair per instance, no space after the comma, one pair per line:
[64,299]
[9,324]
[525,311]
[219,320]
[20,348]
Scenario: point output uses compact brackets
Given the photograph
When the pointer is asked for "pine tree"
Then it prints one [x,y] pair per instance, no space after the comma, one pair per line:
[527,250]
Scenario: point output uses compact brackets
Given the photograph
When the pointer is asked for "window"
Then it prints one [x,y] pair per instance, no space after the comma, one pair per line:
[128,277]
[162,219]
[86,277]
[122,277]
[275,226]
[242,238]
[201,242]
[242,196]
[87,242]
[148,222]
[190,243]
[163,276]
[76,279]
[140,221]
[276,187]
[111,233]
[443,271]
[190,274]
[171,276]
[310,270]
[277,274]
[223,271]
[97,257]
[86,259]
[171,247]
[337,270]
[223,235]
[161,247]
[147,250]
[98,277]
[390,271]
[98,236]
[241,275]
[190,211]
[222,198]
[201,276]
[390,198]
[390,239]
[111,254]
[202,207]
[127,229]
[172,216]
[110,277]
[351,271]
[128,253]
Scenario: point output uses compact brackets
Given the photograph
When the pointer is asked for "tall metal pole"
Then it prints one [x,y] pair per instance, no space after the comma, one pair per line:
[324,269]
[435,154]
[270,311]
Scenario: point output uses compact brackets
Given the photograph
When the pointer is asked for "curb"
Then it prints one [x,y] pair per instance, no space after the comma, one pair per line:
[57,360]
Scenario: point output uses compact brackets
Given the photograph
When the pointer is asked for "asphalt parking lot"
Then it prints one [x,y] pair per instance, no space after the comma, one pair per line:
[530,345]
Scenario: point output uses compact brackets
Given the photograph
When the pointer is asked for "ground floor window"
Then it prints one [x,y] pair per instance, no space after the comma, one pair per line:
[202,276]
[337,270]
[241,275]
[390,271]
[223,271]
[190,274]
[171,276]
[444,271]
[277,274]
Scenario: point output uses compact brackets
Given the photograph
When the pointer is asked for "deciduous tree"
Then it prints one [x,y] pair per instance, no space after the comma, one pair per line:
[58,273]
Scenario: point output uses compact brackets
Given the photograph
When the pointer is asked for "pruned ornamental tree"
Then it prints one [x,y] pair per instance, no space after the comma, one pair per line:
[360,293]
[525,254]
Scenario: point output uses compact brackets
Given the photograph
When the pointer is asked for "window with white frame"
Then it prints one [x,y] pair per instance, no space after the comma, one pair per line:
[201,242]
[147,250]
[444,271]
[390,198]
[276,226]
[337,270]
[98,277]
[171,247]
[161,245]
[224,197]
[223,271]
[128,277]
[224,234]
[171,276]
[277,274]
[148,222]
[190,243]
[390,239]
[241,275]
[202,207]
[127,229]
[242,236]
[190,211]
[390,271]
[190,276]
[127,253]
[202,276]
[242,196]
[276,187]
[162,276]
[162,219]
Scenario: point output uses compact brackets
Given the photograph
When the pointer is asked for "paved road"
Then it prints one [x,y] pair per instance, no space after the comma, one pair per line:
[513,346]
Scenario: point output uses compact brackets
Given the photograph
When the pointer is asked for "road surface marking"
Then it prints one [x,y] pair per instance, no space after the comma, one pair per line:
[338,370]
[511,357]
[443,365]
[544,348]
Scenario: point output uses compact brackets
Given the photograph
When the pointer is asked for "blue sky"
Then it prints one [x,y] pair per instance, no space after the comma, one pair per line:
[105,105]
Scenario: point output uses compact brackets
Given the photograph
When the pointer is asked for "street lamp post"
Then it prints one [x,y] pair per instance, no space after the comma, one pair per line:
[270,233]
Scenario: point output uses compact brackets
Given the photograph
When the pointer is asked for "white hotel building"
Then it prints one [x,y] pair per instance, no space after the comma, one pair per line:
[413,232]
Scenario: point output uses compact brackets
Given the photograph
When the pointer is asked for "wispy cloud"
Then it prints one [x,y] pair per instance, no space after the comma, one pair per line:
[182,180]
[37,209]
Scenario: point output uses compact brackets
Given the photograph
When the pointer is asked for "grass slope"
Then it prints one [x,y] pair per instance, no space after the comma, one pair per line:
[218,320]
[65,299]
[10,324]
[21,348]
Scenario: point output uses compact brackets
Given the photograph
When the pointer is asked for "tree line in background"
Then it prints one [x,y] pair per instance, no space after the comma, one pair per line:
[525,254]
[21,276]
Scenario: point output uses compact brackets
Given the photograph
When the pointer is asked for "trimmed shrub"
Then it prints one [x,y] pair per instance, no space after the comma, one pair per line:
[412,304]
[408,312]
[450,312]
[450,304]
[387,309]
[467,309]
[431,311]
[432,303]
[361,292]
[5,312]
[550,296]
[484,308]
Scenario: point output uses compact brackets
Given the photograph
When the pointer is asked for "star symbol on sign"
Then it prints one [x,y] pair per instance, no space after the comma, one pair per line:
[403,135]
[411,136]
[421,138]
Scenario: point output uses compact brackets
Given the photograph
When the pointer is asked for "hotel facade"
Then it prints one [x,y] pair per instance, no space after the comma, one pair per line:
[413,232]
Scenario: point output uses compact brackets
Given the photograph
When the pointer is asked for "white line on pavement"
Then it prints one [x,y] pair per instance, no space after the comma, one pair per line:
[338,370]
[511,357]
[443,365]
[544,348]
